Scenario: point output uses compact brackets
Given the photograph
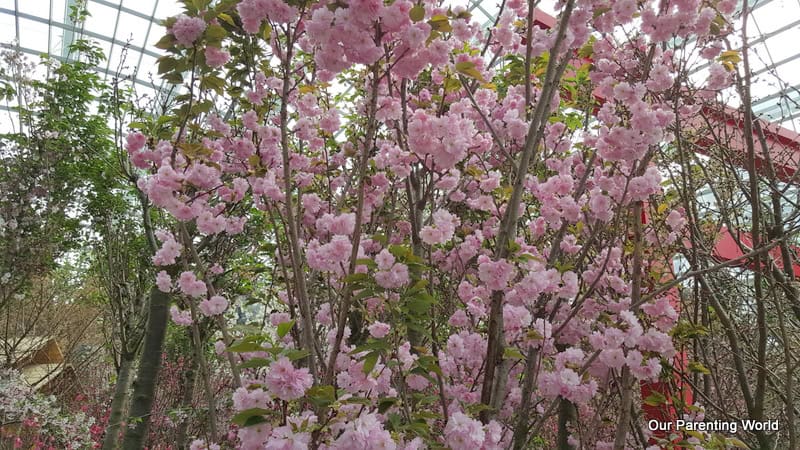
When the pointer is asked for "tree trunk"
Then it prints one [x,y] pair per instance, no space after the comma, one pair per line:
[119,402]
[566,417]
[145,385]
[190,380]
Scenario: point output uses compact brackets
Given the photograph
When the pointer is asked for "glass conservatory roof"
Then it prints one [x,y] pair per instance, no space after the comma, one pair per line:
[124,29]
[127,30]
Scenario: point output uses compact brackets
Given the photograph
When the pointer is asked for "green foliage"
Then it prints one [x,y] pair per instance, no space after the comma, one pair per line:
[58,167]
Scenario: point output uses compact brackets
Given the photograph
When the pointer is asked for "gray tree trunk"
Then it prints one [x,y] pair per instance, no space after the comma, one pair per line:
[147,376]
[119,402]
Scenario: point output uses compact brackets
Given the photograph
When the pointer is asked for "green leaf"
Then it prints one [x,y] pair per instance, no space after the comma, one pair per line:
[655,399]
[369,262]
[244,347]
[199,4]
[294,354]
[417,13]
[369,362]
[698,367]
[213,82]
[440,23]
[430,364]
[385,403]
[137,126]
[356,278]
[400,251]
[167,41]
[476,408]
[254,363]
[227,19]
[215,33]
[250,417]
[174,78]
[358,401]
[394,421]
[433,36]
[600,11]
[166,64]
[202,107]
[730,56]
[283,328]
[321,396]
[371,345]
[418,287]
[512,353]
[468,68]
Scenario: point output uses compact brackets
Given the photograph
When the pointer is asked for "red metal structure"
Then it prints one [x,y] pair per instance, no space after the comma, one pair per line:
[783,157]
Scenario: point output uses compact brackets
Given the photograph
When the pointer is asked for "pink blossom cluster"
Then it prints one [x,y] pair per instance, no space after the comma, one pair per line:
[285,381]
[188,29]
[213,306]
[170,249]
[191,286]
[443,229]
[390,274]
[440,141]
[216,57]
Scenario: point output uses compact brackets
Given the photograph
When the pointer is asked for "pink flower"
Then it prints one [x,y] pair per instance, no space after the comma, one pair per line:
[612,358]
[365,432]
[417,382]
[343,224]
[675,220]
[496,274]
[515,317]
[253,12]
[463,432]
[170,249]
[180,317]
[199,444]
[187,29]
[283,438]
[459,319]
[286,382]
[278,318]
[445,226]
[330,121]
[163,281]
[324,314]
[190,285]
[135,142]
[600,206]
[245,398]
[397,276]
[216,57]
[384,259]
[208,223]
[214,306]
[379,330]
[718,77]
[219,347]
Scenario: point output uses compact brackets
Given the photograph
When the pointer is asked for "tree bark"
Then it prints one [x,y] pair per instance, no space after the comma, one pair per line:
[566,415]
[147,376]
[119,402]
[190,380]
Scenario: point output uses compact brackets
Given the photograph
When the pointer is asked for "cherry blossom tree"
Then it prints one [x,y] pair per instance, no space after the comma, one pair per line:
[449,217]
